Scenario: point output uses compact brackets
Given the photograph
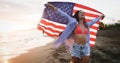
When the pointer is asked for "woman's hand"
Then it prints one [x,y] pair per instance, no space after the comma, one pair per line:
[102,16]
[52,7]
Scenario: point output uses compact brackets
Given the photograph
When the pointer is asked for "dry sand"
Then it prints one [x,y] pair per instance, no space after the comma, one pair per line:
[44,54]
[37,55]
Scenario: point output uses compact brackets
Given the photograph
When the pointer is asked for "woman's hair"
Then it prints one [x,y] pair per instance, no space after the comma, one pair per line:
[77,17]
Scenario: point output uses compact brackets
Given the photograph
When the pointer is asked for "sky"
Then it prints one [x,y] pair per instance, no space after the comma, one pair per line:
[26,14]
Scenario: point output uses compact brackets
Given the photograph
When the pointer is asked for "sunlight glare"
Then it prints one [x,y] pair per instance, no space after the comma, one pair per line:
[6,59]
[5,50]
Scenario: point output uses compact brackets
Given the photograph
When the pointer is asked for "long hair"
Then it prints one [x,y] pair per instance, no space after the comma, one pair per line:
[77,17]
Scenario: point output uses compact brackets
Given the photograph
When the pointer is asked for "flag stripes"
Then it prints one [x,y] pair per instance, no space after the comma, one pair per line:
[87,8]
[52,28]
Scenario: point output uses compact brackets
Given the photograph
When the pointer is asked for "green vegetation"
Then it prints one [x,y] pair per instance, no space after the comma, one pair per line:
[105,26]
[118,20]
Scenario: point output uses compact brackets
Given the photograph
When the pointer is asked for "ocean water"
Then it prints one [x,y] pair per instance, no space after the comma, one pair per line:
[18,42]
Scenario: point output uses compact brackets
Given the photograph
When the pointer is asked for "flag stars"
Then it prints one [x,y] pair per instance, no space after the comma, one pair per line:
[51,15]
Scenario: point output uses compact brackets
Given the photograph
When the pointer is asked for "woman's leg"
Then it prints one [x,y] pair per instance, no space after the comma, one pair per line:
[75,60]
[85,59]
[86,54]
[75,53]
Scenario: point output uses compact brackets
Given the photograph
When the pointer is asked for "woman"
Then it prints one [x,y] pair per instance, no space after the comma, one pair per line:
[76,25]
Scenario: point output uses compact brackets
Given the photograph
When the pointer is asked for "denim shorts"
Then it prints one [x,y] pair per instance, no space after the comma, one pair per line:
[80,50]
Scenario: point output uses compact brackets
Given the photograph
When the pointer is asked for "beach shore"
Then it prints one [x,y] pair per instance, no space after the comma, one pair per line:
[41,54]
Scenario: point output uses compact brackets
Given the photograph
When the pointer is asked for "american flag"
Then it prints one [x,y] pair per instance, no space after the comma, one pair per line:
[52,24]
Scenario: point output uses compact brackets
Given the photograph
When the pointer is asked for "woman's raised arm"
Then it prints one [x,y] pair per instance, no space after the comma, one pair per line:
[94,20]
[60,12]
[69,28]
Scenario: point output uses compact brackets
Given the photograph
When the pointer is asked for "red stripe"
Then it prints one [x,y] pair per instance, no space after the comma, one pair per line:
[87,14]
[94,27]
[92,39]
[93,33]
[92,45]
[40,27]
[98,22]
[49,34]
[87,8]
[90,14]
[87,20]
[51,24]
[74,11]
[50,29]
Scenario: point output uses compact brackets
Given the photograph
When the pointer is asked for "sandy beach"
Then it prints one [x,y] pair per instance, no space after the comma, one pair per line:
[36,55]
[44,54]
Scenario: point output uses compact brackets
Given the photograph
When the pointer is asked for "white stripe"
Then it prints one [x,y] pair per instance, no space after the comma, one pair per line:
[50,32]
[48,26]
[88,17]
[88,11]
[93,30]
[58,24]
[92,36]
[41,27]
[92,42]
[96,25]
